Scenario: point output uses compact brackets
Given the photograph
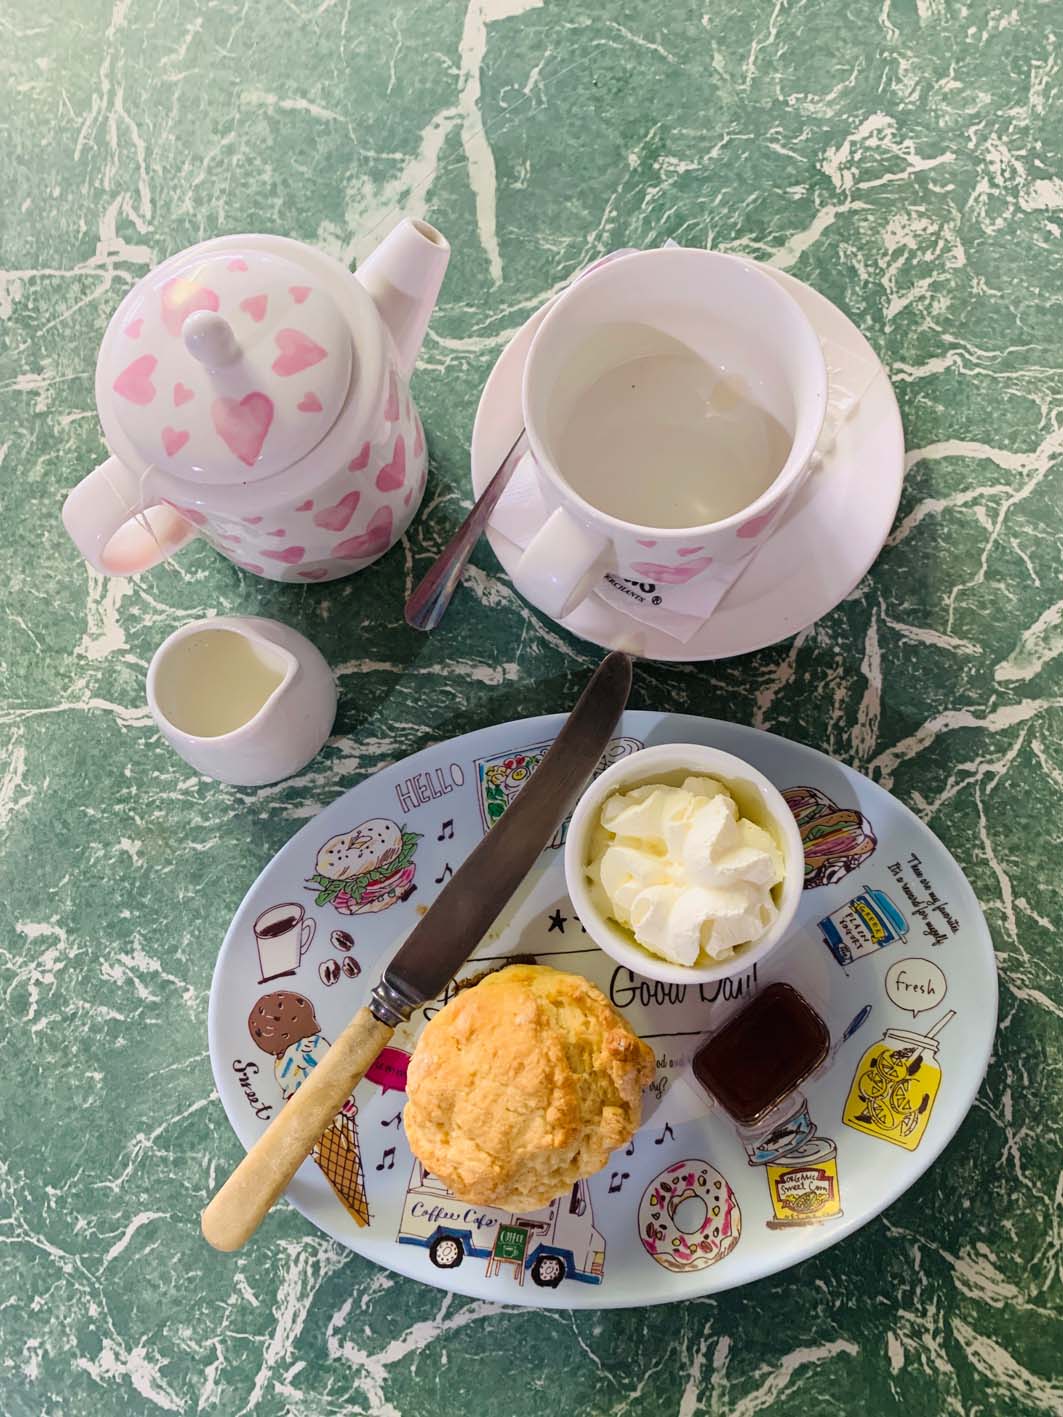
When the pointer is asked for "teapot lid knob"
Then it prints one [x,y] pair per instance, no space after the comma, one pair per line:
[209,338]
[227,364]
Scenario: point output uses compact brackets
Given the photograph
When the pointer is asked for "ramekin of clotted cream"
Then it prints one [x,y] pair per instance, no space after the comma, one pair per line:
[684,863]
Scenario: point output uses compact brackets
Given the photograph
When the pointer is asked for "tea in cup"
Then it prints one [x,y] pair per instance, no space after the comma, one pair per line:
[672,400]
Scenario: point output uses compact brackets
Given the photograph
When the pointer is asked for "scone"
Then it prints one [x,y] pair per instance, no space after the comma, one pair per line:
[523,1085]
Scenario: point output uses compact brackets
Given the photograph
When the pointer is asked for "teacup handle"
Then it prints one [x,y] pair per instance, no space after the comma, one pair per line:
[306,934]
[561,564]
[116,528]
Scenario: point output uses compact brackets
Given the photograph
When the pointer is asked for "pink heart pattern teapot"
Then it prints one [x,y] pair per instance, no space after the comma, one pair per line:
[254,392]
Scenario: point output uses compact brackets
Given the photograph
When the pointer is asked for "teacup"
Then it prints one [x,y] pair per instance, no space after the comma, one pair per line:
[672,400]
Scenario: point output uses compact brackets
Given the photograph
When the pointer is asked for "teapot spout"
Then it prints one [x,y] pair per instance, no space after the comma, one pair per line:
[403,276]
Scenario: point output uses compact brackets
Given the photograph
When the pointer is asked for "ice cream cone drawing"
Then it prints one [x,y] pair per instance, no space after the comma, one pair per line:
[339,1158]
[284,1025]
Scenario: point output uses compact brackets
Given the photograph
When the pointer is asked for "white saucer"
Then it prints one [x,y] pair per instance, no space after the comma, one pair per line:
[822,550]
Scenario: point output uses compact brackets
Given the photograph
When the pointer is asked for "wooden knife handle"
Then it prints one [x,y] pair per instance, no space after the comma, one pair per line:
[238,1209]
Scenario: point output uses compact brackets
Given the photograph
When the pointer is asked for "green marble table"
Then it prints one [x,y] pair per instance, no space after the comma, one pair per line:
[901,156]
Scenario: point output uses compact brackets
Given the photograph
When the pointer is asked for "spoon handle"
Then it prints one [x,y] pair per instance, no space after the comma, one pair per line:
[428,603]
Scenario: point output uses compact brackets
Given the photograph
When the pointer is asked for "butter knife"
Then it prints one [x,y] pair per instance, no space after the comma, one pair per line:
[435,950]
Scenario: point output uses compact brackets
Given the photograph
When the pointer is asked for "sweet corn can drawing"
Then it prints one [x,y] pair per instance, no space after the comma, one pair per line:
[804,1185]
[894,1087]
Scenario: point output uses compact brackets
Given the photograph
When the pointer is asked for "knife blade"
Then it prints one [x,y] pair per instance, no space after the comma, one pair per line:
[438,946]
[475,895]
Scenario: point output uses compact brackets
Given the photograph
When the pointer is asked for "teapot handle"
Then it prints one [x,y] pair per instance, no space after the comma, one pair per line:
[116,528]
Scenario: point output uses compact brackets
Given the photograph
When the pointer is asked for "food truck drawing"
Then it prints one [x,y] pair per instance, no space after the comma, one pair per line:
[561,1240]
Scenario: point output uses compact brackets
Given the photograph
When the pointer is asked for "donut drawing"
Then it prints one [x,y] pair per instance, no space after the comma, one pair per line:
[689,1217]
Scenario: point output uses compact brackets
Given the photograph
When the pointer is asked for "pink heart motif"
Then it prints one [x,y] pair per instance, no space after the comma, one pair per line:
[671,575]
[309,403]
[252,521]
[307,506]
[181,394]
[755,525]
[255,305]
[689,550]
[134,328]
[242,425]
[337,518]
[297,352]
[279,532]
[238,264]
[372,541]
[174,439]
[249,566]
[418,444]
[647,543]
[299,293]
[180,297]
[189,513]
[393,473]
[312,575]
[134,382]
[391,408]
[361,462]
[291,555]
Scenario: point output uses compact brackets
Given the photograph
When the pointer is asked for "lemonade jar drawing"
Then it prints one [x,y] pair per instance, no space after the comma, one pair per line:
[894,1086]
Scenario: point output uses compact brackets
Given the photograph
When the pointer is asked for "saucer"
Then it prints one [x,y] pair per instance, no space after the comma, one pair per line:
[828,540]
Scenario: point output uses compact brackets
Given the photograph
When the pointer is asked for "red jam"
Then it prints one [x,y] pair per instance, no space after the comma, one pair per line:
[762,1054]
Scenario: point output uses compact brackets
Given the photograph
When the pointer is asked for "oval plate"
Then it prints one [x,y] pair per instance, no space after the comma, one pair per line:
[889,937]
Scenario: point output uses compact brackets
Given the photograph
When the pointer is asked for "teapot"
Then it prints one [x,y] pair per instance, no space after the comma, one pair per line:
[253,392]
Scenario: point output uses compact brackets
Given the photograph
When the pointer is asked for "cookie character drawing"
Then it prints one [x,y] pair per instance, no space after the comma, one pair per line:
[836,839]
[284,1025]
[895,1085]
[367,869]
[689,1217]
[499,779]
[558,1242]
[863,926]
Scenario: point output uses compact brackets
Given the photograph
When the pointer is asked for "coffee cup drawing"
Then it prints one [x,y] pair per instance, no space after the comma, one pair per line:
[283,935]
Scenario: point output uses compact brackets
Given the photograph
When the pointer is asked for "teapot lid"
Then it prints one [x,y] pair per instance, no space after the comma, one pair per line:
[225,367]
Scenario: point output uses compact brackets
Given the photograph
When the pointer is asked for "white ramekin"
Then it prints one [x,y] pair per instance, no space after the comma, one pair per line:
[669,763]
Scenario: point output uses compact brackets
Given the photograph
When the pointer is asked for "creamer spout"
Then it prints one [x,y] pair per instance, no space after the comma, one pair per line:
[403,275]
